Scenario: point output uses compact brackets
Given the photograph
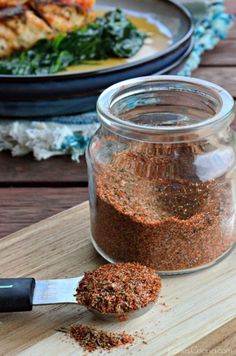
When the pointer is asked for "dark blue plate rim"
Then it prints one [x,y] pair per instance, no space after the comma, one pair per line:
[119,68]
[178,62]
[84,100]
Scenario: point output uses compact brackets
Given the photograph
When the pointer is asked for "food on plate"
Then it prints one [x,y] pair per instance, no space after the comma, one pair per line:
[24,23]
[110,35]
[64,16]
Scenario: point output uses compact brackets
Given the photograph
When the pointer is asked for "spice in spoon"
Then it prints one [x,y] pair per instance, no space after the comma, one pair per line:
[119,288]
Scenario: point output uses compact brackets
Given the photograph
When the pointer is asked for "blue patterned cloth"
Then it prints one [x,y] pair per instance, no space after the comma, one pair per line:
[70,135]
[209,30]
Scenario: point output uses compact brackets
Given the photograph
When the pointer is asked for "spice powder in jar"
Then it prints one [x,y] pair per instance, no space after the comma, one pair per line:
[168,204]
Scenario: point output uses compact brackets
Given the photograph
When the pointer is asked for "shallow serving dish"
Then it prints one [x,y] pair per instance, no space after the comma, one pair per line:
[76,90]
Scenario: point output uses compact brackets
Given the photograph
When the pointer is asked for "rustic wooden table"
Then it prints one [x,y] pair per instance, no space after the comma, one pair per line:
[31,191]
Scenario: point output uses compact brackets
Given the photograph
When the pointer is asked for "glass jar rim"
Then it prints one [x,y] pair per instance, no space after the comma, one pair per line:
[114,123]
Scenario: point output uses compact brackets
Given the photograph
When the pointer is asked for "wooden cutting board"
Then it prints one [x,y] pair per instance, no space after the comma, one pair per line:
[195,304]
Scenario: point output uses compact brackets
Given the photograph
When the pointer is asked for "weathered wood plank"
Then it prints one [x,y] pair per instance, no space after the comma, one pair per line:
[224,76]
[230,6]
[20,207]
[54,170]
[220,342]
[232,31]
[223,55]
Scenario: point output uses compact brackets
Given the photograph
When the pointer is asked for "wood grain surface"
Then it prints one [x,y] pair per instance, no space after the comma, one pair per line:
[230,6]
[60,171]
[223,76]
[59,247]
[219,342]
[232,32]
[22,205]
[215,58]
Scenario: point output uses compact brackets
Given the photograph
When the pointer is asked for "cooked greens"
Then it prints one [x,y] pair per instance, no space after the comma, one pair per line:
[111,35]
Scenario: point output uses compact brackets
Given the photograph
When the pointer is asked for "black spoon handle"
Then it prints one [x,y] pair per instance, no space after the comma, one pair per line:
[16,294]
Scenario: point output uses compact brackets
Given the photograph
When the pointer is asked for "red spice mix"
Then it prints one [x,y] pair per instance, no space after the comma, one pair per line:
[151,207]
[91,338]
[119,288]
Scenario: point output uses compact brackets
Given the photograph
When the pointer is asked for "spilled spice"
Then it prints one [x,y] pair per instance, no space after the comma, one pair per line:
[156,206]
[140,335]
[164,307]
[119,288]
[92,339]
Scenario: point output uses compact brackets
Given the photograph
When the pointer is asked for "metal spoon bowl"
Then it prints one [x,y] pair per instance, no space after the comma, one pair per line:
[122,317]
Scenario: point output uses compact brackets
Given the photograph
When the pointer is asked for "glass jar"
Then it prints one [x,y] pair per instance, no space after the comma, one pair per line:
[162,174]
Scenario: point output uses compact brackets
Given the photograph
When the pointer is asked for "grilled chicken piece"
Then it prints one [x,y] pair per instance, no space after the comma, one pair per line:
[7,41]
[20,29]
[30,29]
[86,4]
[61,16]
[12,3]
[8,38]
[10,12]
[22,26]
